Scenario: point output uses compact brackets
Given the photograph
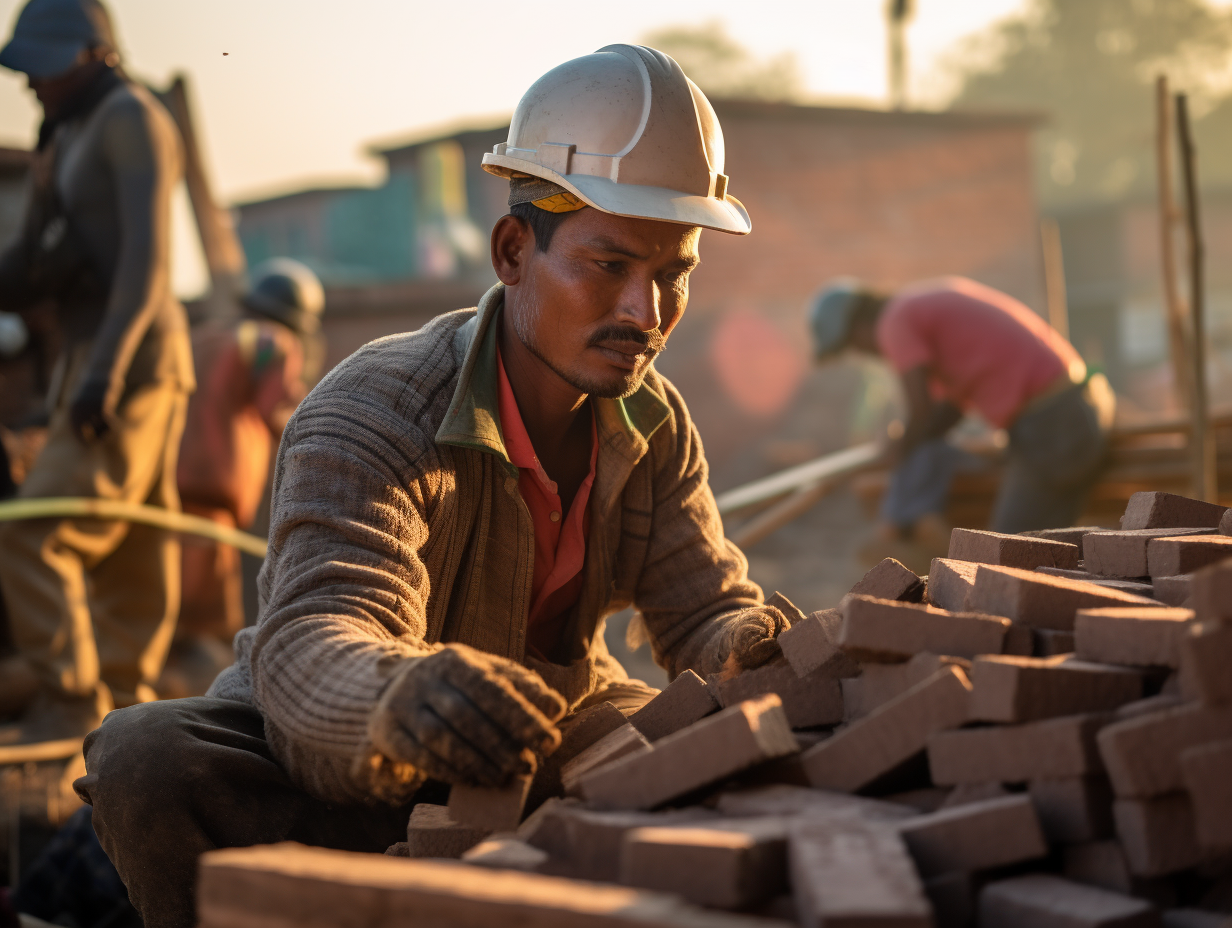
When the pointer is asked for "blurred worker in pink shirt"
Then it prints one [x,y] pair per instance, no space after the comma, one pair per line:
[251,378]
[961,347]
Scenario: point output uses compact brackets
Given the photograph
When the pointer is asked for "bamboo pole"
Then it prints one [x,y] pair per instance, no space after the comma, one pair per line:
[1174,307]
[1203,440]
[1054,276]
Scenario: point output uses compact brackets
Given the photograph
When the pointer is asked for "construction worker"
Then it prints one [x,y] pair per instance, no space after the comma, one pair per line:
[251,377]
[92,604]
[456,511]
[961,347]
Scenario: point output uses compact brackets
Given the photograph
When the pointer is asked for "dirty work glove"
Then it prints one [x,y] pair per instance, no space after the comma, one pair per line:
[750,639]
[462,716]
[88,411]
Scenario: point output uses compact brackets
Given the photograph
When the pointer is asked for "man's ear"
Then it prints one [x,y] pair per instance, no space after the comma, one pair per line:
[512,245]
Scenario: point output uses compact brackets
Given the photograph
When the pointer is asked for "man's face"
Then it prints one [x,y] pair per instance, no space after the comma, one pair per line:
[53,92]
[599,304]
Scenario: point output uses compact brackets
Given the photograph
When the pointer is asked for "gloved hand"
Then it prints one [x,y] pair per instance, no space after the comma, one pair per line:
[750,639]
[462,716]
[87,412]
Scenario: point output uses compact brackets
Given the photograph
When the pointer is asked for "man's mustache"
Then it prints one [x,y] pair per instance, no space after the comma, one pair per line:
[652,342]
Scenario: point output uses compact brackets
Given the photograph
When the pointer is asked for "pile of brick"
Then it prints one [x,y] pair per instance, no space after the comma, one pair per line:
[1039,733]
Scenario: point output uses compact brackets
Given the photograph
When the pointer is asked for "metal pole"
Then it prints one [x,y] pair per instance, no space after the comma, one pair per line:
[1054,276]
[1174,306]
[897,13]
[1203,444]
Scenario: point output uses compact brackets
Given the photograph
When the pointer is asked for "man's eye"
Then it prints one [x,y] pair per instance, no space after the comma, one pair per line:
[609,265]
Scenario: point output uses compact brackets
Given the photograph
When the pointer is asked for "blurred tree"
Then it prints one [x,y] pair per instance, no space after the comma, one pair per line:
[1089,66]
[722,67]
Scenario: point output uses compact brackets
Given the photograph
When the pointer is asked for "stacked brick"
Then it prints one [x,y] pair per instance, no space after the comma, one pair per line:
[1039,733]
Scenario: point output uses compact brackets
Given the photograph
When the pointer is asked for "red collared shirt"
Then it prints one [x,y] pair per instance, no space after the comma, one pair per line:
[560,537]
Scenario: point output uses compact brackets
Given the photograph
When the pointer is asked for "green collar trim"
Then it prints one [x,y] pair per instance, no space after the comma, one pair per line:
[473,418]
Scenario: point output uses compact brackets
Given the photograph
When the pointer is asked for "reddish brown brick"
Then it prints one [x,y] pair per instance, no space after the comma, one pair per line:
[890,579]
[1158,834]
[813,644]
[789,609]
[1196,918]
[1154,509]
[506,854]
[879,683]
[1070,536]
[1039,600]
[1207,771]
[950,583]
[1039,900]
[1134,636]
[975,836]
[1206,663]
[707,751]
[608,749]
[490,810]
[686,699]
[1167,557]
[433,832]
[891,734]
[1022,689]
[1123,553]
[1173,591]
[1212,592]
[967,544]
[882,629]
[816,699]
[1142,754]
[1049,642]
[1103,864]
[1225,524]
[1134,587]
[1061,747]
[1073,810]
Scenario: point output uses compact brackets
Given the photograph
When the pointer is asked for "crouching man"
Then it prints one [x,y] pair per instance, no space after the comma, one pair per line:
[456,511]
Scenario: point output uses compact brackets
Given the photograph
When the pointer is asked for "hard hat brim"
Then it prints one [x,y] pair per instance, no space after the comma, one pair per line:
[38,59]
[633,200]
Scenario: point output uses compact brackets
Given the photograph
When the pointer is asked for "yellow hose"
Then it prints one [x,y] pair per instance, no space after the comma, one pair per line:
[61,507]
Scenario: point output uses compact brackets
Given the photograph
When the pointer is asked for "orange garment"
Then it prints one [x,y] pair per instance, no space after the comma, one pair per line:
[560,538]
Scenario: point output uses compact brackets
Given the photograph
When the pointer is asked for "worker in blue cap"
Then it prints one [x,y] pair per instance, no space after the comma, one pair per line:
[92,603]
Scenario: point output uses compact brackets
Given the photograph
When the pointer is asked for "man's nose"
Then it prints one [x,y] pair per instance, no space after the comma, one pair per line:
[640,305]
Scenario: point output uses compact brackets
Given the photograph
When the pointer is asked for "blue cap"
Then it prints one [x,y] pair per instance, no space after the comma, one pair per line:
[830,315]
[50,33]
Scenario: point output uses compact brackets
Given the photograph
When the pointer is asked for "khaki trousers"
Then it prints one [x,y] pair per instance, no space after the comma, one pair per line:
[89,600]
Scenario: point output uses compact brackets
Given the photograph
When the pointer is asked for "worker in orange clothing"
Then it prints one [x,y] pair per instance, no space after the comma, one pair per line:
[252,376]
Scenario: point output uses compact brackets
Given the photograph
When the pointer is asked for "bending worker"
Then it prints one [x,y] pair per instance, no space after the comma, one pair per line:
[92,604]
[456,510]
[252,376]
[961,347]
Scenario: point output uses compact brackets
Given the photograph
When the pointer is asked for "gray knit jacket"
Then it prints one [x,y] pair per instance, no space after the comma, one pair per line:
[397,526]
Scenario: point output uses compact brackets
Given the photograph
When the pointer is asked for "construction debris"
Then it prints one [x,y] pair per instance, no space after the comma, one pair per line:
[1034,735]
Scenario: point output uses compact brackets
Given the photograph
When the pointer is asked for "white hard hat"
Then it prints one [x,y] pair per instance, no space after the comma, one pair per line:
[625,131]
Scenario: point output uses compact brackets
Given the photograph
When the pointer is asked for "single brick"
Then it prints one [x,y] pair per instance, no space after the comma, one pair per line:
[1136,587]
[1142,754]
[1206,663]
[1071,536]
[712,749]
[1041,601]
[722,866]
[923,798]
[967,793]
[796,801]
[433,832]
[813,644]
[968,544]
[1158,834]
[891,579]
[608,749]
[1174,591]
[1225,524]
[1154,509]
[882,629]
[1135,636]
[816,699]
[879,683]
[1207,771]
[577,732]
[975,836]
[953,898]
[490,810]
[1212,592]
[506,854]
[890,735]
[1073,810]
[950,583]
[1103,864]
[310,887]
[1049,642]
[1054,748]
[1039,900]
[1023,689]
[1123,554]
[790,610]
[846,871]
[1020,640]
[1167,557]
[686,699]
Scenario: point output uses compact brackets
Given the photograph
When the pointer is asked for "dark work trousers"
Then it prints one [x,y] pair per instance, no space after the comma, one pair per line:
[171,780]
